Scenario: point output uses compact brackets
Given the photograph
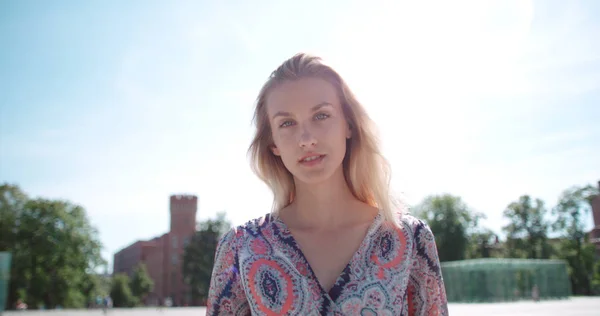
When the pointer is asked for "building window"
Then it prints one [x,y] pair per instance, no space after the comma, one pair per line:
[186,241]
[174,259]
[174,242]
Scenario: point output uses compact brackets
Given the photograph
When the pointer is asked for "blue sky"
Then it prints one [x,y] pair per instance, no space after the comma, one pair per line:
[115,105]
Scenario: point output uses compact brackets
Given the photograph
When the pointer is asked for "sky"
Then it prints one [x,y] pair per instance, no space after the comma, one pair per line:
[116,105]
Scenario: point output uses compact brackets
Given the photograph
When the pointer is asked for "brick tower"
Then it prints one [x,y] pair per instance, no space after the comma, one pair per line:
[183,226]
[183,214]
[163,255]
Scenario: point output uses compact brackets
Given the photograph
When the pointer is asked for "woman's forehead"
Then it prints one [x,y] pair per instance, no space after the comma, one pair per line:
[300,94]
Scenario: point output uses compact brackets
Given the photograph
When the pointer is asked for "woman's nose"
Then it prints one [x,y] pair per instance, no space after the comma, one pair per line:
[307,138]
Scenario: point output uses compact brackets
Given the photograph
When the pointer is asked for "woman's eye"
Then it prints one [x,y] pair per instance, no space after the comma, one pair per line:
[321,116]
[286,124]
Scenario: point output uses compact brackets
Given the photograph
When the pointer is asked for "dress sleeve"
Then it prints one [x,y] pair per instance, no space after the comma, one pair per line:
[226,295]
[426,292]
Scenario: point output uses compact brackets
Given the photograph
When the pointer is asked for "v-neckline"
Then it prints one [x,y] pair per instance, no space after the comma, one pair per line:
[344,275]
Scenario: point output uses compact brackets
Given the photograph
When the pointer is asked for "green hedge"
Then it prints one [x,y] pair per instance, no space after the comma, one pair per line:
[501,280]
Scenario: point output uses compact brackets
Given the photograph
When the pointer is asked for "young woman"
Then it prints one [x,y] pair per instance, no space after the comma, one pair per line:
[333,243]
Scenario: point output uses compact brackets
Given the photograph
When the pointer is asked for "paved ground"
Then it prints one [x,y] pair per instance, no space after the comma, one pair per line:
[579,306]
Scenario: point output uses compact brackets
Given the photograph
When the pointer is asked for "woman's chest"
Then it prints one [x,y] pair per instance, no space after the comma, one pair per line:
[278,278]
[328,254]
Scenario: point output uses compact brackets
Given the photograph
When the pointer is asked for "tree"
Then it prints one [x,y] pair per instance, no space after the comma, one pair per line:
[451,221]
[527,231]
[12,201]
[199,256]
[120,292]
[54,249]
[481,244]
[141,283]
[95,285]
[573,204]
[596,279]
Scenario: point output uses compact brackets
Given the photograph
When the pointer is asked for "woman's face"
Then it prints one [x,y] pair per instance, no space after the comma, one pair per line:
[308,127]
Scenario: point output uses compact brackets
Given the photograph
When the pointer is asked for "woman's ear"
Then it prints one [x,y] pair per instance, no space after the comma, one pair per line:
[275,150]
[348,131]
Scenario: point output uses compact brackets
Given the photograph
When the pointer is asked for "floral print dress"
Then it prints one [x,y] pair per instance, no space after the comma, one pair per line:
[260,270]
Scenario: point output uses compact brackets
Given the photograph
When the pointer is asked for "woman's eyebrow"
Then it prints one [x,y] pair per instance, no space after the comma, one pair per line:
[313,109]
[320,105]
[281,113]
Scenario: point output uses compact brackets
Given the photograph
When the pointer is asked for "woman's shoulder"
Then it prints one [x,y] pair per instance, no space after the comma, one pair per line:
[251,228]
[410,219]
[417,226]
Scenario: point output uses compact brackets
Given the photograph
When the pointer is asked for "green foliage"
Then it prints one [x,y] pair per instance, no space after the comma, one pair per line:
[528,228]
[199,256]
[482,244]
[580,262]
[120,292]
[596,279]
[451,221]
[573,205]
[96,285]
[527,231]
[141,283]
[12,201]
[55,250]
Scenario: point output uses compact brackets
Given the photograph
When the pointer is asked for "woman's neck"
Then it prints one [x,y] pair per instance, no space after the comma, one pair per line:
[324,206]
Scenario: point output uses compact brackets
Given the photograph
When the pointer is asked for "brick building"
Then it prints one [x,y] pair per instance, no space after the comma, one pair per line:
[595,234]
[162,255]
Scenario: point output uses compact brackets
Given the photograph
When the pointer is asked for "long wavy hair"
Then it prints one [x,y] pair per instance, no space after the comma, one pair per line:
[366,171]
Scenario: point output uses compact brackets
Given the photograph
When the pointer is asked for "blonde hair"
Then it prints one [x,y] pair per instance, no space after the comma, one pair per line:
[366,171]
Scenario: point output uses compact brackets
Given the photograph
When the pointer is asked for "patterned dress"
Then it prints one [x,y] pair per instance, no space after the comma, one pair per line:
[260,270]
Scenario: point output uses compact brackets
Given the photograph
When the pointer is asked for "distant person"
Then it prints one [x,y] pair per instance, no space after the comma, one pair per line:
[107,304]
[20,305]
[334,244]
[535,293]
